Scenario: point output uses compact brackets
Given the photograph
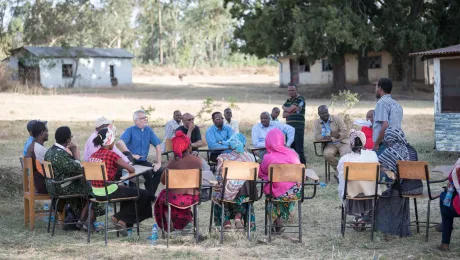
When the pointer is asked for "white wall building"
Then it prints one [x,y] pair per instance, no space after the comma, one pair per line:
[56,67]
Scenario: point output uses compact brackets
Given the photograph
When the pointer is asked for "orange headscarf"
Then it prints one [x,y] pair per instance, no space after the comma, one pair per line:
[180,143]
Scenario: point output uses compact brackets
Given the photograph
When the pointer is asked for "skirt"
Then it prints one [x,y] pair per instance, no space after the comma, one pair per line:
[285,207]
[179,217]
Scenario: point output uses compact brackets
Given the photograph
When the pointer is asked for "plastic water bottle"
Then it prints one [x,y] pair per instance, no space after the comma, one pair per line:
[323,132]
[448,197]
[154,237]
[130,232]
[99,226]
[322,184]
[46,208]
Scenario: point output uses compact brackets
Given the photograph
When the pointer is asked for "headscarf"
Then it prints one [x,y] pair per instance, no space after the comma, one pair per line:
[237,142]
[277,153]
[180,143]
[354,134]
[397,149]
[109,136]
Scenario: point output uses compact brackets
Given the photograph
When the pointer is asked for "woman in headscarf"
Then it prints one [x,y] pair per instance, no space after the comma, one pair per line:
[64,157]
[360,209]
[277,153]
[391,207]
[183,159]
[126,217]
[450,208]
[237,191]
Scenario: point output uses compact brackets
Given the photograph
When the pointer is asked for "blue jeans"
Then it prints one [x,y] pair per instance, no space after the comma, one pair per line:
[448,214]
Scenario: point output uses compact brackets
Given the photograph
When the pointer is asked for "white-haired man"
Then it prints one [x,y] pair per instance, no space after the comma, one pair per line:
[137,140]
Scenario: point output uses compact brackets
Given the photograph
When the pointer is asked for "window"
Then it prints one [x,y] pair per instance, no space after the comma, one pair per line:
[112,71]
[327,66]
[375,62]
[304,66]
[67,71]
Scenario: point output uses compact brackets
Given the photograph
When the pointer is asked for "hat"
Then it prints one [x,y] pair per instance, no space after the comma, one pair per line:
[32,122]
[102,121]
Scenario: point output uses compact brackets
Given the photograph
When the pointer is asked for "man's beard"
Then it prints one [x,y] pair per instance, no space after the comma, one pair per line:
[378,96]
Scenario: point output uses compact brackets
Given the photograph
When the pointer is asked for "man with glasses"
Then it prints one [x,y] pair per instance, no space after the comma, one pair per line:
[137,140]
[218,135]
[191,130]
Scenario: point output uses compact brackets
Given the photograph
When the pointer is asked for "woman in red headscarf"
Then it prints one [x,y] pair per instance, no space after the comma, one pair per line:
[183,159]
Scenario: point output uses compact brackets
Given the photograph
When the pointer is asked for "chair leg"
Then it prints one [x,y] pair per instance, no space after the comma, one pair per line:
[416,215]
[222,223]
[249,221]
[373,220]
[265,214]
[169,225]
[197,224]
[26,212]
[325,171]
[55,214]
[89,220]
[31,215]
[403,217]
[163,236]
[300,221]
[51,213]
[210,216]
[137,218]
[428,220]
[270,221]
[106,221]
[115,212]
[194,220]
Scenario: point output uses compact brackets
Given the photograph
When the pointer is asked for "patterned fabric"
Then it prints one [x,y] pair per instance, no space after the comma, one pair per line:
[284,205]
[387,109]
[179,217]
[296,120]
[233,186]
[231,209]
[110,159]
[354,134]
[397,149]
[90,149]
[109,136]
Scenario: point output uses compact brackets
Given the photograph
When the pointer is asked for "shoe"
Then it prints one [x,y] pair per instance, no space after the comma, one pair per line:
[443,249]
[122,229]
[227,224]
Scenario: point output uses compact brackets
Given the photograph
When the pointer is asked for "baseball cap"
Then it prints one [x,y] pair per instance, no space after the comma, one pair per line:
[102,121]
[31,123]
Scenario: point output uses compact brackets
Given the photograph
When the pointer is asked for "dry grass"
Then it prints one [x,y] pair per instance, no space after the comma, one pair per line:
[149,70]
[322,239]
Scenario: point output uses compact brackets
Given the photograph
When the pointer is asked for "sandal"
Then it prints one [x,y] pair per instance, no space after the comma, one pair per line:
[227,224]
[122,229]
[359,225]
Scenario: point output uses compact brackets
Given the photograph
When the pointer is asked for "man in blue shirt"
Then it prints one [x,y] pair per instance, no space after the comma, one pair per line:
[30,124]
[217,136]
[137,140]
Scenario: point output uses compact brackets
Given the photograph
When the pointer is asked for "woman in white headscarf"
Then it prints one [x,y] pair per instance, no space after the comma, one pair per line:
[126,217]
[360,209]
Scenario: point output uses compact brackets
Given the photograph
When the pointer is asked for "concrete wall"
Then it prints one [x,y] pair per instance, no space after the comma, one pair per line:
[285,76]
[92,72]
[351,67]
[419,68]
[447,125]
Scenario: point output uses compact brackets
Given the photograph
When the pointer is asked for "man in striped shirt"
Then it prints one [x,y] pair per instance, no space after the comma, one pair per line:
[294,112]
[388,113]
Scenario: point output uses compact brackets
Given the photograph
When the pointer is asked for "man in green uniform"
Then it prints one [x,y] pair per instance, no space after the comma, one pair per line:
[294,112]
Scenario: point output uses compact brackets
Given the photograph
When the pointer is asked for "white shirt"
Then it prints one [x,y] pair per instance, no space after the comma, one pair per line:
[259,133]
[39,151]
[234,125]
[170,130]
[365,156]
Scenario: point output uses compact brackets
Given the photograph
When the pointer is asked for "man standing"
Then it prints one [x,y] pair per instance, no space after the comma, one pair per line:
[30,124]
[170,128]
[294,112]
[137,140]
[217,135]
[331,128]
[232,123]
[388,113]
[275,113]
[191,130]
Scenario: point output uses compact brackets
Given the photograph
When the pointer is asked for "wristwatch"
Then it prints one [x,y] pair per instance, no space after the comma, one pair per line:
[219,142]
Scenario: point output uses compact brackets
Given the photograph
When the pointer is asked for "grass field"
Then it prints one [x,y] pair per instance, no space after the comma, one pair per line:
[78,109]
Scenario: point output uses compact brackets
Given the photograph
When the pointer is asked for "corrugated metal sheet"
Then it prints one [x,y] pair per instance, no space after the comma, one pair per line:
[59,52]
[443,51]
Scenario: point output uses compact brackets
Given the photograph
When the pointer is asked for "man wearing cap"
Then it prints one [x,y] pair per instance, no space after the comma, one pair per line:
[31,138]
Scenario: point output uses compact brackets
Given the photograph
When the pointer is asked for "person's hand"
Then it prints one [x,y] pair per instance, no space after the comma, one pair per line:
[136,157]
[191,127]
[71,146]
[327,138]
[335,134]
[376,147]
[156,167]
[195,153]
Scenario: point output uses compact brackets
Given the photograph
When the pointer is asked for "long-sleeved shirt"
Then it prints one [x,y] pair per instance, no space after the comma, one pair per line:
[259,132]
[335,124]
[233,124]
[90,149]
[214,136]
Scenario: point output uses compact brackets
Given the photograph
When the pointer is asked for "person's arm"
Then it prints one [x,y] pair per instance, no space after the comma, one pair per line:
[74,150]
[123,157]
[199,141]
[290,132]
[158,164]
[169,130]
[381,135]
[317,131]
[255,136]
[87,152]
[155,141]
[125,165]
[30,151]
[212,141]
[343,133]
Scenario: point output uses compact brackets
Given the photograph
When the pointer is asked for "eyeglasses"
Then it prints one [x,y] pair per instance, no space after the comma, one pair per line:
[190,119]
[143,118]
[218,118]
